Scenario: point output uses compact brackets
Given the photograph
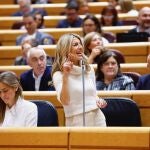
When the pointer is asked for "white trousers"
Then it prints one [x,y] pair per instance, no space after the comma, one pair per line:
[92,118]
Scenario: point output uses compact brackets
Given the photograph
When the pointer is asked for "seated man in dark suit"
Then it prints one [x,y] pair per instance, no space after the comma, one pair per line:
[143,21]
[144,81]
[39,77]
[33,33]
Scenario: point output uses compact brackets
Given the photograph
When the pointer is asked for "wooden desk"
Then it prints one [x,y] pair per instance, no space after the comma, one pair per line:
[8,37]
[52,21]
[127,67]
[136,52]
[109,138]
[67,138]
[34,138]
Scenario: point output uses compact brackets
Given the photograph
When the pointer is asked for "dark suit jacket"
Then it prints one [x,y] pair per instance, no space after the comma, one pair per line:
[28,82]
[143,83]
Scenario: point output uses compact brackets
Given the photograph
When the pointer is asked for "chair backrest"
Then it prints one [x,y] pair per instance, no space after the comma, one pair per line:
[121,112]
[47,113]
[119,54]
[134,75]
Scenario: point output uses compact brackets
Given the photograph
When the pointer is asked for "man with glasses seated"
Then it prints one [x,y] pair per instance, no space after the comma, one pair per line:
[72,17]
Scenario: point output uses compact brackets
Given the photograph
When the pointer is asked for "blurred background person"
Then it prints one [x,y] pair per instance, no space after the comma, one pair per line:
[32,32]
[25,47]
[93,44]
[39,18]
[126,6]
[109,17]
[14,110]
[22,60]
[143,21]
[72,17]
[108,74]
[25,7]
[115,3]
[144,80]
[92,24]
[83,7]
[38,78]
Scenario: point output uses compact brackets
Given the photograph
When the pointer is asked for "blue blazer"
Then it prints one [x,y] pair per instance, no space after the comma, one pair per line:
[41,38]
[143,82]
[28,82]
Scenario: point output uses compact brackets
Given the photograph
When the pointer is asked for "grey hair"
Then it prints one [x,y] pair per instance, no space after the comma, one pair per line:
[34,49]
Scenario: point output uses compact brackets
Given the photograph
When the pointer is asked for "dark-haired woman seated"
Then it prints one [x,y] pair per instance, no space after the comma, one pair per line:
[108,74]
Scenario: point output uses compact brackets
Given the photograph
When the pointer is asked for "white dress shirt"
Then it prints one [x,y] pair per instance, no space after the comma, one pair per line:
[22,114]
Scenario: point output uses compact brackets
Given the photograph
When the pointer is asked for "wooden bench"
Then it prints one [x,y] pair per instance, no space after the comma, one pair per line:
[134,52]
[140,68]
[8,37]
[6,22]
[109,138]
[57,8]
[142,98]
[56,1]
[34,138]
[77,138]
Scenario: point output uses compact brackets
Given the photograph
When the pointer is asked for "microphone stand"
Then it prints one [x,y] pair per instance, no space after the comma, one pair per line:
[83,87]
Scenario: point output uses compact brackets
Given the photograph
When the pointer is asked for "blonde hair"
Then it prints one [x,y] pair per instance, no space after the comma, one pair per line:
[63,49]
[87,41]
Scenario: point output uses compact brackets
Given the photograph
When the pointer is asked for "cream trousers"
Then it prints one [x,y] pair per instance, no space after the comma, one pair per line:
[92,118]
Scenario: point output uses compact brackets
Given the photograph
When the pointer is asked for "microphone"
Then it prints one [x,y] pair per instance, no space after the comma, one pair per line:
[82,63]
[83,88]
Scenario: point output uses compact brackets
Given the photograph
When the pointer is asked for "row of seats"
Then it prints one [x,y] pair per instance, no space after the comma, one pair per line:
[133,52]
[56,8]
[8,37]
[53,1]
[6,22]
[63,138]
[140,68]
[140,97]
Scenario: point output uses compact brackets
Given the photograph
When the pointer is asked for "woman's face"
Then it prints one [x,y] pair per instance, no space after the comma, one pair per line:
[95,41]
[76,51]
[7,94]
[110,68]
[38,19]
[108,19]
[89,26]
